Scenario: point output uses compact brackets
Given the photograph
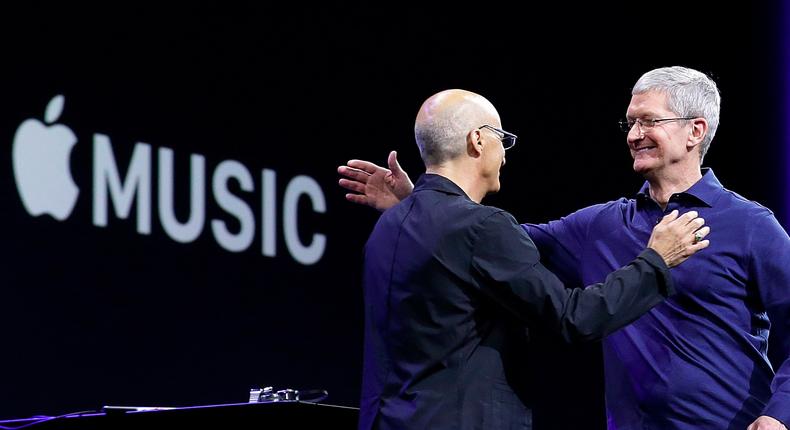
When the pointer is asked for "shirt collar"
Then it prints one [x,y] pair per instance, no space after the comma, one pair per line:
[706,190]
[431,181]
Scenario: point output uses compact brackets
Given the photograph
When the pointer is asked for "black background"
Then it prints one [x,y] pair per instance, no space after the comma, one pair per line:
[92,316]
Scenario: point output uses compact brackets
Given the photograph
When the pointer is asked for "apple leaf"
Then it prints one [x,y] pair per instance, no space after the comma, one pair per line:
[54,109]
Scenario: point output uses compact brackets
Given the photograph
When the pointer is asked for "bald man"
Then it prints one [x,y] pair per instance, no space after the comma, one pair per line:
[452,287]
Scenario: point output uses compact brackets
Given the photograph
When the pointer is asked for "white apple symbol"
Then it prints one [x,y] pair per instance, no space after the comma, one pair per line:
[41,164]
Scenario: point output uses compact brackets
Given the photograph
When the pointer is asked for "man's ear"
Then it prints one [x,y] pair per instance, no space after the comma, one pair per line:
[474,144]
[699,129]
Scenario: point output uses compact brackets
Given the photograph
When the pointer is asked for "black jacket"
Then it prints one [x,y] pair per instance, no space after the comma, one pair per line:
[451,290]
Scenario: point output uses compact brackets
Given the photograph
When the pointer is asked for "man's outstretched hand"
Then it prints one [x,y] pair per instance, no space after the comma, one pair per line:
[374,185]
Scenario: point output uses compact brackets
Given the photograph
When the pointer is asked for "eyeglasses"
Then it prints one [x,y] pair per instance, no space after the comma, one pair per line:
[508,139]
[647,124]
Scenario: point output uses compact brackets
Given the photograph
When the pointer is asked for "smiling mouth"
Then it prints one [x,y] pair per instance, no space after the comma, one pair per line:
[643,149]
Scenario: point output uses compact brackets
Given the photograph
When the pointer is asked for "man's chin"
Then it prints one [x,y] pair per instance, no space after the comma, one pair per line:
[641,167]
[495,188]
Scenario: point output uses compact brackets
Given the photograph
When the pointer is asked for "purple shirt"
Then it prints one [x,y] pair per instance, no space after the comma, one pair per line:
[698,360]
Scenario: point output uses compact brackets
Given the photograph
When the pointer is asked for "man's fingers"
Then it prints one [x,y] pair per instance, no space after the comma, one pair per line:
[694,224]
[700,245]
[355,174]
[352,185]
[689,221]
[670,216]
[701,233]
[687,217]
[365,166]
[357,198]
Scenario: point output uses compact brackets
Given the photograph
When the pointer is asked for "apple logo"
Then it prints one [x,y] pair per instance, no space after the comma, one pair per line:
[41,164]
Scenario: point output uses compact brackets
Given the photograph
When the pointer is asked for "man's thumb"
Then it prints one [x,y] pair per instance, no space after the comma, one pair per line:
[392,162]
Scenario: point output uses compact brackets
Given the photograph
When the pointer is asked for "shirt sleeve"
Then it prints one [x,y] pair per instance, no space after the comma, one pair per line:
[561,244]
[506,267]
[770,270]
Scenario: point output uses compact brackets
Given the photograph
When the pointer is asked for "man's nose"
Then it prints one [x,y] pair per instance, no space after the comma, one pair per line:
[636,133]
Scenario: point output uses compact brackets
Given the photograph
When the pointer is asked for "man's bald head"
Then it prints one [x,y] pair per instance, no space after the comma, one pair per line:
[444,121]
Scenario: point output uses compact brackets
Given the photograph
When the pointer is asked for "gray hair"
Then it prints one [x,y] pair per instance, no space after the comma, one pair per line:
[689,94]
[444,137]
